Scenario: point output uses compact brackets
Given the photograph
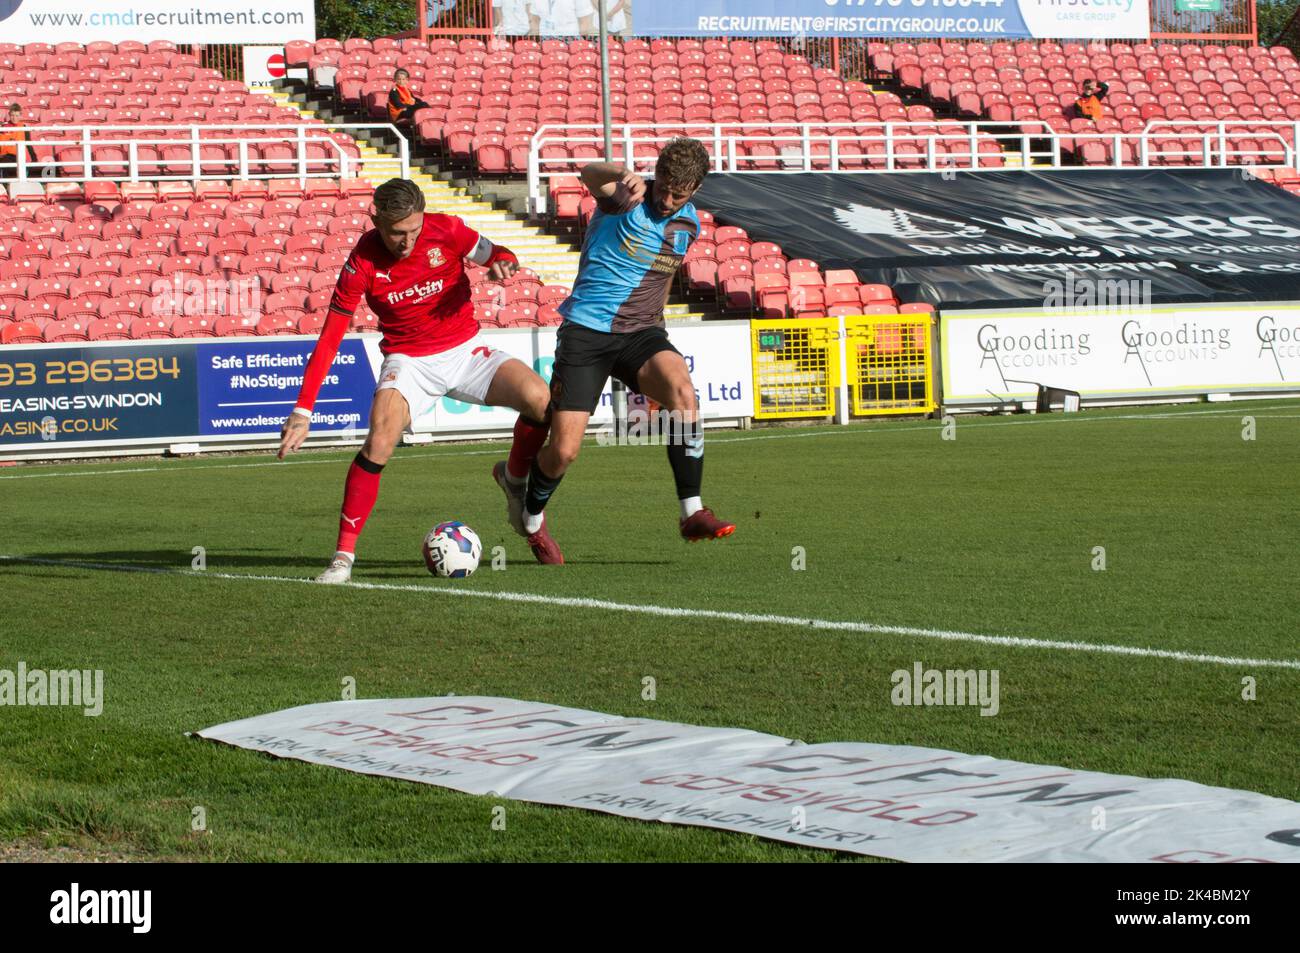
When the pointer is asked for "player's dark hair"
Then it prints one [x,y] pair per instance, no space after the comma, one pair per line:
[397,199]
[399,72]
[682,164]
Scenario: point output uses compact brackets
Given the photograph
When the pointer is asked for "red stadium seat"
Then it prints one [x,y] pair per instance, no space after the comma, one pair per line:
[20,332]
[72,330]
[236,325]
[190,326]
[109,329]
[283,322]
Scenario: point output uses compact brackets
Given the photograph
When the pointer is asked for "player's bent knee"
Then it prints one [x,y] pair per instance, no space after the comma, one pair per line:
[560,455]
[682,396]
[388,419]
[381,442]
[378,451]
[566,452]
[554,461]
[539,402]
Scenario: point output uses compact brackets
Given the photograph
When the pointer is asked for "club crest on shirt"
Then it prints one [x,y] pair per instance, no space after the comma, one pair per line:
[435,257]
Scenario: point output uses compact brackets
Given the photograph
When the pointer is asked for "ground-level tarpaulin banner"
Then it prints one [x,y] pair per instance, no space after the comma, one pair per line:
[1017,19]
[1001,239]
[895,801]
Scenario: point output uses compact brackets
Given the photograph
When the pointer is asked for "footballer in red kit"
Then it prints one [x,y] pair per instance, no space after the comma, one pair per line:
[410,269]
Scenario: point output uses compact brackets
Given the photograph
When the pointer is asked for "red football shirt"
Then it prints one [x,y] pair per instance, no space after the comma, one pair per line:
[422,301]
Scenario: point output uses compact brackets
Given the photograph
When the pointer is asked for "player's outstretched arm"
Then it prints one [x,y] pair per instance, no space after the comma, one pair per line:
[298,423]
[343,304]
[602,179]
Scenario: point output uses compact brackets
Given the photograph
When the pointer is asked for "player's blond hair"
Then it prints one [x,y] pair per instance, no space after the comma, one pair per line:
[397,199]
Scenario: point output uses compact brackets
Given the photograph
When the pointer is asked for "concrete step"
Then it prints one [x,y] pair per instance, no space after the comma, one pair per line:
[553,258]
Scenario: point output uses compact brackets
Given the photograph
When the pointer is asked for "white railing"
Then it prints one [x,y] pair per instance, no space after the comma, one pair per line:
[870,147]
[1218,137]
[302,164]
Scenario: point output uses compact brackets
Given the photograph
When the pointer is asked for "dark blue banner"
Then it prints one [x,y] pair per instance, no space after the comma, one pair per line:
[997,239]
[70,394]
[249,385]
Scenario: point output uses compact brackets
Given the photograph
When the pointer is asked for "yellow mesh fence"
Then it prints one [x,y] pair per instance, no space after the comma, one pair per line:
[889,364]
[796,367]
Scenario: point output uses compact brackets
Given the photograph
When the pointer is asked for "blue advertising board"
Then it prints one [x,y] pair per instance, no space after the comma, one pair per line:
[57,393]
[995,19]
[115,396]
[249,385]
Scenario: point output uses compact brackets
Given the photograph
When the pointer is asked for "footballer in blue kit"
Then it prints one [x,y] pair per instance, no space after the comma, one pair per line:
[614,324]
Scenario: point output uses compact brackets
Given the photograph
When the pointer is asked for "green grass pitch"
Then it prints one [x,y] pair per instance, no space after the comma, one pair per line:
[992,533]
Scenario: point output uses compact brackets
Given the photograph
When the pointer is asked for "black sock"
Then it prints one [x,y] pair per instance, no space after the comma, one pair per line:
[686,455]
[366,463]
[540,488]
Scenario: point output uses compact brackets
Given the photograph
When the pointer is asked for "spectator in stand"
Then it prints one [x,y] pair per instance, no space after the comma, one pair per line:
[1088,105]
[12,134]
[562,17]
[619,14]
[402,102]
[510,17]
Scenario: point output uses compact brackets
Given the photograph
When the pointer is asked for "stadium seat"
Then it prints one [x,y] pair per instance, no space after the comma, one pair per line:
[283,322]
[235,325]
[189,326]
[109,329]
[20,332]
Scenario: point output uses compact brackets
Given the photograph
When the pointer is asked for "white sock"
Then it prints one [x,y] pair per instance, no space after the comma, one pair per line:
[532,523]
[690,506]
[350,557]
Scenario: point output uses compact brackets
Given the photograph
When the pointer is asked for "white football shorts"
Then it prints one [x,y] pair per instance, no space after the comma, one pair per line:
[464,372]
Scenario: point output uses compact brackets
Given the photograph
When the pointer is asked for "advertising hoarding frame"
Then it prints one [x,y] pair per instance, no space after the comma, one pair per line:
[443,423]
[1027,378]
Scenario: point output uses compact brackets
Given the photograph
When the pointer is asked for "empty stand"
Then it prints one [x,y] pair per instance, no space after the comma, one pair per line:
[137,261]
[1184,91]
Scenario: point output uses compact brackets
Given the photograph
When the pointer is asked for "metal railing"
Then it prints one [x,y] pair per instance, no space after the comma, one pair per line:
[872,147]
[306,162]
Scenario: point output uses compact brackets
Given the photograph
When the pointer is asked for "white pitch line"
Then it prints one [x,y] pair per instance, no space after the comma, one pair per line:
[180,467]
[673,612]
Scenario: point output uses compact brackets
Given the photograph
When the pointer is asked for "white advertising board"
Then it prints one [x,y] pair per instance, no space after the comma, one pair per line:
[198,21]
[1125,352]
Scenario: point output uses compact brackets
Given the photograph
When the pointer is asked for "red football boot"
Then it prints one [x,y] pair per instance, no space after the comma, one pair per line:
[702,524]
[546,549]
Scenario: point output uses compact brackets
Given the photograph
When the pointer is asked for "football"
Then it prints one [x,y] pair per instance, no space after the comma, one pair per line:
[452,550]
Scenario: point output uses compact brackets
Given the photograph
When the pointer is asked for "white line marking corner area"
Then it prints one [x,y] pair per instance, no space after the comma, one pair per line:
[673,612]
